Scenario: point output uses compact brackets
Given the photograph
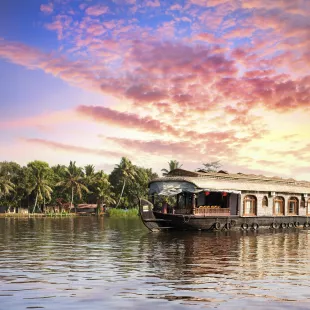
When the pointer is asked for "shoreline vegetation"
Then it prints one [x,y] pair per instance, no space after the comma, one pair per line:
[38,189]
[112,212]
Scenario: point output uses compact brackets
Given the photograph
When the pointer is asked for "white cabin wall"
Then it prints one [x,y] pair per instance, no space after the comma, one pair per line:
[268,211]
[263,211]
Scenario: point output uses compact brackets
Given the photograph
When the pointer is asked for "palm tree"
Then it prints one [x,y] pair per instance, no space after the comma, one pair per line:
[6,186]
[90,175]
[127,172]
[173,164]
[39,184]
[73,180]
[104,192]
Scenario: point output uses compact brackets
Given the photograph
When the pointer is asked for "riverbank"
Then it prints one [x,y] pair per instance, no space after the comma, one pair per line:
[37,215]
[114,213]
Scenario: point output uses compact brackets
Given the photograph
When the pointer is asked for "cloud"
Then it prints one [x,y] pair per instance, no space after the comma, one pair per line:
[97,10]
[201,82]
[47,8]
[72,148]
[152,3]
[159,147]
[216,145]
[52,118]
[73,72]
[239,33]
[125,120]
[208,37]
[189,77]
[176,7]
[197,74]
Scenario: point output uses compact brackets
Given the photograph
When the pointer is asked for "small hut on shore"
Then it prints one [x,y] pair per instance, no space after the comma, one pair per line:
[85,208]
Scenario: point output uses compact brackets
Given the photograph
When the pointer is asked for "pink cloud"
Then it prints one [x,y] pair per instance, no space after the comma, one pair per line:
[239,33]
[83,6]
[208,37]
[159,147]
[185,82]
[125,120]
[152,3]
[176,7]
[72,148]
[128,120]
[194,149]
[199,2]
[95,30]
[212,21]
[159,71]
[47,8]
[53,118]
[73,72]
[60,24]
[295,7]
[97,10]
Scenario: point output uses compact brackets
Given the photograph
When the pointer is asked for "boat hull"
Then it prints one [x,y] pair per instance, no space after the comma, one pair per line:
[162,221]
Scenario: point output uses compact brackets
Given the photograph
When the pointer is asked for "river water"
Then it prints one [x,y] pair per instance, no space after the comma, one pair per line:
[101,263]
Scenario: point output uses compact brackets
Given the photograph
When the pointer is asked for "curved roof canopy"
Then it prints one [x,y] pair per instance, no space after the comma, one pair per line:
[182,180]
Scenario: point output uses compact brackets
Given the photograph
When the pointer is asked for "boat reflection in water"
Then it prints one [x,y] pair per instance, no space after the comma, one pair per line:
[223,267]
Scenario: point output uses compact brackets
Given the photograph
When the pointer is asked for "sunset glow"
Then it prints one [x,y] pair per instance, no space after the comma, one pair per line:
[155,80]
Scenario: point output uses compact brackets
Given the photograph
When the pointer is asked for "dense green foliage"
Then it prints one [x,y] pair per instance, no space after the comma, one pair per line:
[38,185]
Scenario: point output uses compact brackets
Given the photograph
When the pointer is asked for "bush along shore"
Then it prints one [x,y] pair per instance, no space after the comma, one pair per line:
[121,213]
[63,190]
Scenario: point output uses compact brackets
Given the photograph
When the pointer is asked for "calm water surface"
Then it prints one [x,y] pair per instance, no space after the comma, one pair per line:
[100,263]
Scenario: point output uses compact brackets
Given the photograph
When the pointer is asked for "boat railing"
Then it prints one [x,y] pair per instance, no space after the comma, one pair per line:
[211,211]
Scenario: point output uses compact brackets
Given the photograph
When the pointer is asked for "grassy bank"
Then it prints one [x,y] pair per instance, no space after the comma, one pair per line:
[37,214]
[112,212]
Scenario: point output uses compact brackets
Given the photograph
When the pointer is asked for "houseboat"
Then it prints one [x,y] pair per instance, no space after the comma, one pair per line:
[201,200]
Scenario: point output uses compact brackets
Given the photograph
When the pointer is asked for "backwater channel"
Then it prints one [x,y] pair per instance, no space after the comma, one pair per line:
[103,263]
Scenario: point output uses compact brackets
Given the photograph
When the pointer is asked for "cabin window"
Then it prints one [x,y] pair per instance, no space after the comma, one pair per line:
[265,202]
[278,206]
[249,205]
[292,206]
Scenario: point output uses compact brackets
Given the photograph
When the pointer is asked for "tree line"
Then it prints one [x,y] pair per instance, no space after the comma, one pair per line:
[37,185]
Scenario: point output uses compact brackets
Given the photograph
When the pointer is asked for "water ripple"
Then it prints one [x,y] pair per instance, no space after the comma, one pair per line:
[73,263]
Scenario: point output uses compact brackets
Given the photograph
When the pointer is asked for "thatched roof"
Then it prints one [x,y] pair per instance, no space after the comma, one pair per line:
[237,182]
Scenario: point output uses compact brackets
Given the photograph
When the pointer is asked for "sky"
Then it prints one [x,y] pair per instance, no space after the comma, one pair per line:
[157,80]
